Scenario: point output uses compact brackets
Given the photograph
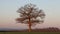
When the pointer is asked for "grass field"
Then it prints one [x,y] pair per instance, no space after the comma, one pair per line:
[29,32]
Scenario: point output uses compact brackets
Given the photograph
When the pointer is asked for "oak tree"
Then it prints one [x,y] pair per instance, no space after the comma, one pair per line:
[30,14]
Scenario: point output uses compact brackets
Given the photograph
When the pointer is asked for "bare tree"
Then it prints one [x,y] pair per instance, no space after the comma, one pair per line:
[30,14]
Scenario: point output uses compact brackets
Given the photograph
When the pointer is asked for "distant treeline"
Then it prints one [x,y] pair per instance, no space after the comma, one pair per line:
[50,29]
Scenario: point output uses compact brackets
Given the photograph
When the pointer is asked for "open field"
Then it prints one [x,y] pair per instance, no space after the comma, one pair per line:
[29,32]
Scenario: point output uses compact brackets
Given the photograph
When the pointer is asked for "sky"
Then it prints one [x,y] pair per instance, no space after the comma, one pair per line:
[8,13]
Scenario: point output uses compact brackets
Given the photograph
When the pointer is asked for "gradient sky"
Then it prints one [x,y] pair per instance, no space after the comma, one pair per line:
[8,13]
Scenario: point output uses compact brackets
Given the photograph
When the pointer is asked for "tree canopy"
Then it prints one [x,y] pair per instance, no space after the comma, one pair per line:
[30,11]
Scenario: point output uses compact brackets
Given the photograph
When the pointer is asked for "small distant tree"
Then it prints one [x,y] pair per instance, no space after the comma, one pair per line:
[30,14]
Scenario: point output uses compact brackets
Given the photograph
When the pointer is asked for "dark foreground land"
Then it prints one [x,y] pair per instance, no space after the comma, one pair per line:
[29,32]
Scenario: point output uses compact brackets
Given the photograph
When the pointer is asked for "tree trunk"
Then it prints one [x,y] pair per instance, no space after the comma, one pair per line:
[29,25]
[29,28]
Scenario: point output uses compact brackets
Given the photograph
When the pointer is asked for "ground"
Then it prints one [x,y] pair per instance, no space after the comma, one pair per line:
[29,32]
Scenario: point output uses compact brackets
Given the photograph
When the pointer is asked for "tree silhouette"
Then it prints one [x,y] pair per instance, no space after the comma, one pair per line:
[30,14]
